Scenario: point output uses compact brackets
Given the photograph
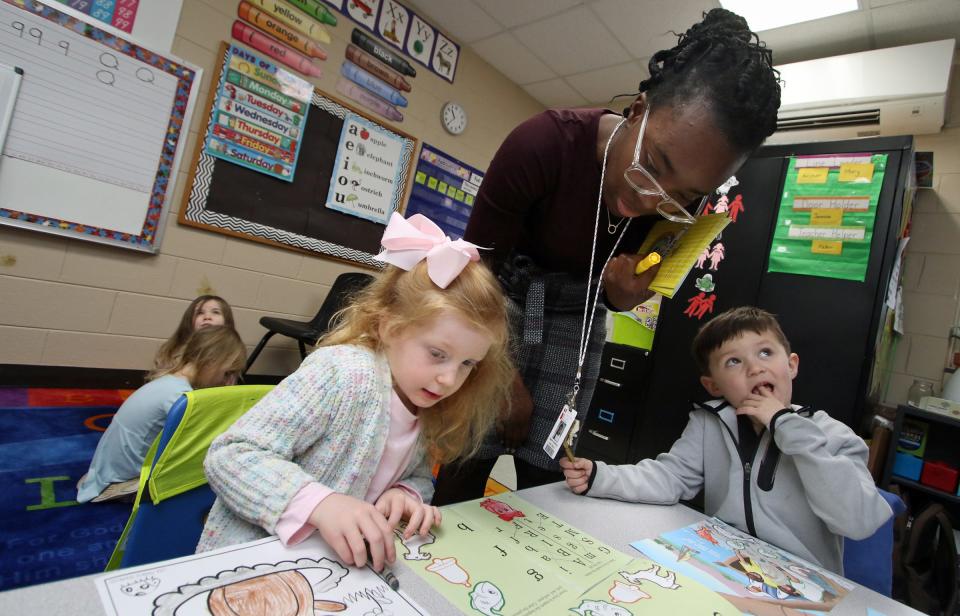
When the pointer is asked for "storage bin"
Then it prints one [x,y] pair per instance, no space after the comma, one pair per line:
[939,475]
[905,465]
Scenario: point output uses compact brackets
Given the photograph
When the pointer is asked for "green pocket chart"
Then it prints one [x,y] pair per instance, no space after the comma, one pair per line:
[826,216]
[502,556]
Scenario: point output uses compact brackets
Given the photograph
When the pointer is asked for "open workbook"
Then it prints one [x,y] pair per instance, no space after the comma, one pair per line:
[680,245]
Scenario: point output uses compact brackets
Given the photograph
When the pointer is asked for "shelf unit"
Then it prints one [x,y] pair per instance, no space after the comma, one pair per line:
[942,435]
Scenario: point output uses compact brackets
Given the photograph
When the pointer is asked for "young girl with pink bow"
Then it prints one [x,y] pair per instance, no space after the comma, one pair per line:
[414,374]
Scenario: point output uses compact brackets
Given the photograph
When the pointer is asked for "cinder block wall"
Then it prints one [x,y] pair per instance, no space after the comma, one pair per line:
[64,302]
[931,276]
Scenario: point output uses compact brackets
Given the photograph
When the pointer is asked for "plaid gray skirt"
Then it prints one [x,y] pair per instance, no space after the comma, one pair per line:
[546,316]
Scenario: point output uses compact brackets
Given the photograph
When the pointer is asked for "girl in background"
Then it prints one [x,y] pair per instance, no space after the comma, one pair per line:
[212,357]
[204,311]
[414,373]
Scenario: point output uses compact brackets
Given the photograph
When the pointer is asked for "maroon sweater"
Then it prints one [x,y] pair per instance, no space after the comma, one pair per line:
[539,196]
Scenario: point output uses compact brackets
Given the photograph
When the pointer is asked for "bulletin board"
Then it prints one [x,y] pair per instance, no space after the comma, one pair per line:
[300,215]
[827,213]
[97,128]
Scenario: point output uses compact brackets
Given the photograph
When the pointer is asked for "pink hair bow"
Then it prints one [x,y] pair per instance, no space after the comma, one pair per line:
[407,241]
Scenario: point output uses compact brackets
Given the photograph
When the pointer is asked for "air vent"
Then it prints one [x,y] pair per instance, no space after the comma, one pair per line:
[863,117]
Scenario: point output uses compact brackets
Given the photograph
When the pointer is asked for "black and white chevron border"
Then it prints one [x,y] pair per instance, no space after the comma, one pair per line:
[203,175]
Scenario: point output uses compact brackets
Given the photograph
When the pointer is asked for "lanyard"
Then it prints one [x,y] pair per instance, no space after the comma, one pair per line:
[588,305]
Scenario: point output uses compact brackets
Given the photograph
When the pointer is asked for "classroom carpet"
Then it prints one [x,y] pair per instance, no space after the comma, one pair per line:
[47,439]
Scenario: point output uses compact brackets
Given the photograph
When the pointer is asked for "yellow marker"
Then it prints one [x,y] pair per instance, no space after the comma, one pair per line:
[648,261]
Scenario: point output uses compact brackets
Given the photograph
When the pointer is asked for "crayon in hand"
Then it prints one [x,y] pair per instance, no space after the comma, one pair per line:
[647,262]
[386,574]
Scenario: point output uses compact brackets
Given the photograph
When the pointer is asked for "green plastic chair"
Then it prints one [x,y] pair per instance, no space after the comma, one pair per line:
[173,497]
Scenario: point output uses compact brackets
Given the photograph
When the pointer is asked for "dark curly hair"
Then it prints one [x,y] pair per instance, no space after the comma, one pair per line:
[720,61]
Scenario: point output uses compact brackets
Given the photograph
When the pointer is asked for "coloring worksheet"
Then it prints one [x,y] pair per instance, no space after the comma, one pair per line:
[502,556]
[261,577]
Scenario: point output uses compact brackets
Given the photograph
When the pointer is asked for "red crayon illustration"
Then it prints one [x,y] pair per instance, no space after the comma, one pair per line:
[250,35]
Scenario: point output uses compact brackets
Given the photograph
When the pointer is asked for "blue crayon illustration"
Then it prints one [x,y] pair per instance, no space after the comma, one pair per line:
[367,81]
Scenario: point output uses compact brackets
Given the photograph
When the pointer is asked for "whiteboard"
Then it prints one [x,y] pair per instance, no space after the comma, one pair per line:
[97,130]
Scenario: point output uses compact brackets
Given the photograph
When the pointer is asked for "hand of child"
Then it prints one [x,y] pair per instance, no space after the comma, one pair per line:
[624,288]
[577,473]
[349,525]
[396,505]
[762,406]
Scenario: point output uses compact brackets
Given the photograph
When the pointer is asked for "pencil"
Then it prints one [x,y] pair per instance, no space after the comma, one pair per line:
[647,262]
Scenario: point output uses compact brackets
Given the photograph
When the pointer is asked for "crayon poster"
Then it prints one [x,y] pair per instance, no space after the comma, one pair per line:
[502,556]
[757,577]
[366,171]
[827,212]
[261,577]
[444,190]
[259,115]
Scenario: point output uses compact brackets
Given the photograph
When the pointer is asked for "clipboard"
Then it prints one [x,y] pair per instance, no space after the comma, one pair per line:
[10,78]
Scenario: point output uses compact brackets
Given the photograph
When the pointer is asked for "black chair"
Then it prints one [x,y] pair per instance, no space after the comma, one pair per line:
[308,332]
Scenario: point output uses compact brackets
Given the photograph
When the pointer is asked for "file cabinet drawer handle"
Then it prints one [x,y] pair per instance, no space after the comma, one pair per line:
[609,382]
[598,435]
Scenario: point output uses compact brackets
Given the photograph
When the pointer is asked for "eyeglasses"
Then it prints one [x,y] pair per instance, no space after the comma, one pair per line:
[644,183]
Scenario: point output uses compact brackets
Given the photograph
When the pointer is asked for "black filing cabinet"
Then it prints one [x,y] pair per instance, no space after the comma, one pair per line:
[608,427]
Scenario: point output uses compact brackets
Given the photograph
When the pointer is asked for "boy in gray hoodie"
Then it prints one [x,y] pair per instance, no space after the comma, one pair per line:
[783,473]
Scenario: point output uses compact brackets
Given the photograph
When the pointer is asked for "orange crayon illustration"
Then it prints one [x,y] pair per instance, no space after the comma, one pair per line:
[250,35]
[279,30]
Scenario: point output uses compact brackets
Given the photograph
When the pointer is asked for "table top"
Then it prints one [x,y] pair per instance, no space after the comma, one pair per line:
[613,522]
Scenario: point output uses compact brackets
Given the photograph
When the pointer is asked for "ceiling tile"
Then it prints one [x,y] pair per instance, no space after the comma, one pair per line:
[507,55]
[555,93]
[821,38]
[915,22]
[512,13]
[644,28]
[462,19]
[572,42]
[600,85]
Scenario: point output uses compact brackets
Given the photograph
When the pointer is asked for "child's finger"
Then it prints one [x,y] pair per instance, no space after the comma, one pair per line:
[427,522]
[413,524]
[371,543]
[437,516]
[340,546]
[356,545]
[386,532]
[394,517]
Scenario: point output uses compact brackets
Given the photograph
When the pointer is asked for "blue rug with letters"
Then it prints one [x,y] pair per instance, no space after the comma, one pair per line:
[47,438]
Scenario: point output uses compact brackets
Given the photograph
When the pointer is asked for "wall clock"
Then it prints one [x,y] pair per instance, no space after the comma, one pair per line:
[454,118]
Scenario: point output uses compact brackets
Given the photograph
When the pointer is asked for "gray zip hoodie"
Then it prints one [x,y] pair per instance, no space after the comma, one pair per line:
[804,489]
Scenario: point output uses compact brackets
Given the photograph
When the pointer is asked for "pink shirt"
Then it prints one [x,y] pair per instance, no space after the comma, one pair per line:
[293,526]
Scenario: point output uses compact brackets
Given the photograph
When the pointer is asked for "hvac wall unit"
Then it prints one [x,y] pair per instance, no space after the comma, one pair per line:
[894,91]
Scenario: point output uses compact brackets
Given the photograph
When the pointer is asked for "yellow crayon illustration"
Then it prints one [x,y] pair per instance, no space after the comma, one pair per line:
[296,19]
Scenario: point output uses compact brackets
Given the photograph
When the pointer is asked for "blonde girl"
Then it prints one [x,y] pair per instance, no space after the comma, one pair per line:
[204,311]
[413,374]
[211,357]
